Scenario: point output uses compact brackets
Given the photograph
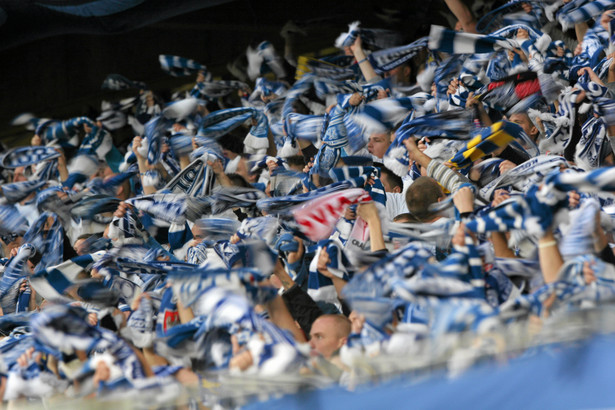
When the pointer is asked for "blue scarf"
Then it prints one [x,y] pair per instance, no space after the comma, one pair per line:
[24,156]
[118,82]
[180,66]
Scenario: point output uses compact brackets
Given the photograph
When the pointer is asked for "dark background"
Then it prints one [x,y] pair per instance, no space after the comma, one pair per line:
[53,67]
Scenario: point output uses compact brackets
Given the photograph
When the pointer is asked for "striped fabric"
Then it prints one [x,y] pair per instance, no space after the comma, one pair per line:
[209,90]
[488,140]
[118,82]
[17,191]
[358,176]
[454,42]
[282,204]
[24,156]
[579,11]
[390,58]
[180,66]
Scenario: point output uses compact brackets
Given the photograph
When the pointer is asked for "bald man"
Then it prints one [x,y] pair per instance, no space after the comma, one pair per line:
[328,334]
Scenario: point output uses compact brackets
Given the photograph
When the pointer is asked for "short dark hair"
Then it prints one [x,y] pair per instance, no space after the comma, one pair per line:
[393,179]
[423,192]
[238,180]
[405,218]
[296,160]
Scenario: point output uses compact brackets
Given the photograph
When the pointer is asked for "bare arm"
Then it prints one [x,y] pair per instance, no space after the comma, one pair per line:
[463,14]
[369,213]
[366,67]
[142,163]
[549,256]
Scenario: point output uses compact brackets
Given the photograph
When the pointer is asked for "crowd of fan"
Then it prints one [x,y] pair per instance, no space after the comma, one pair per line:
[383,197]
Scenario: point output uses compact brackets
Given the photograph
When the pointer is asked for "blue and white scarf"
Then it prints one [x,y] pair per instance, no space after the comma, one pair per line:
[24,156]
[195,180]
[390,58]
[51,245]
[17,191]
[167,207]
[358,176]
[378,280]
[455,42]
[52,282]
[118,82]
[180,66]
[208,90]
[277,205]
[15,271]
[579,11]
[12,221]
[219,123]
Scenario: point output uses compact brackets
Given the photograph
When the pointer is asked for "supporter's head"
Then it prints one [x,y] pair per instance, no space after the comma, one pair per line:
[402,74]
[232,144]
[328,334]
[423,192]
[10,242]
[19,175]
[238,180]
[405,218]
[378,144]
[391,182]
[296,163]
[198,234]
[243,169]
[525,122]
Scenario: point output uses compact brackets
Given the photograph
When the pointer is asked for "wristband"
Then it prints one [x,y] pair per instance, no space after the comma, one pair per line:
[362,61]
[547,244]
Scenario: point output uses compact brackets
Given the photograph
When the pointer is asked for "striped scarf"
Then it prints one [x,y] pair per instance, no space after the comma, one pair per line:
[16,270]
[24,156]
[579,11]
[180,66]
[167,207]
[541,165]
[508,14]
[336,69]
[593,145]
[222,200]
[456,124]
[63,131]
[578,239]
[390,58]
[317,217]
[117,82]
[320,287]
[305,127]
[460,275]
[454,42]
[12,221]
[378,279]
[219,123]
[265,87]
[598,180]
[48,242]
[17,191]
[196,179]
[531,212]
[359,176]
[278,205]
[52,282]
[488,140]
[209,90]
[190,285]
[264,228]
[383,115]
